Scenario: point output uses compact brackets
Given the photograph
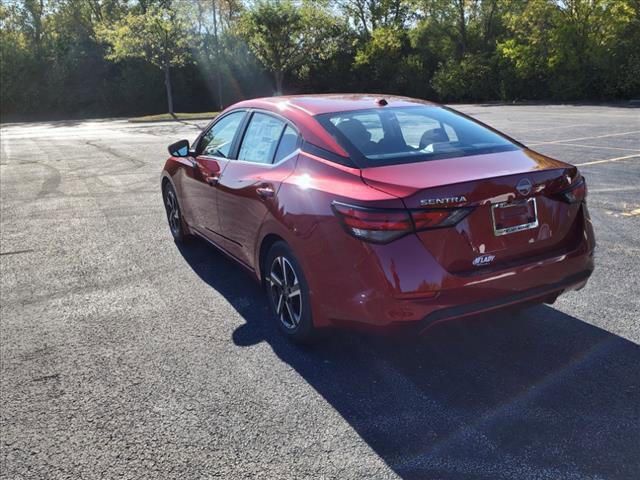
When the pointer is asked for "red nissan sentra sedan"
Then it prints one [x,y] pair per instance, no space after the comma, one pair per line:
[357,210]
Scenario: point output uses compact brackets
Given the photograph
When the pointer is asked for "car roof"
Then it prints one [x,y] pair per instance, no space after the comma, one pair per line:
[301,110]
[329,103]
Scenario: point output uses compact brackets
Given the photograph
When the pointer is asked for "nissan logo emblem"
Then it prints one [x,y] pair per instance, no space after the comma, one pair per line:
[524,187]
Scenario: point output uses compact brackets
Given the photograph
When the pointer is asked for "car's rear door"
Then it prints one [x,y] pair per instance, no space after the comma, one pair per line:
[248,186]
[199,190]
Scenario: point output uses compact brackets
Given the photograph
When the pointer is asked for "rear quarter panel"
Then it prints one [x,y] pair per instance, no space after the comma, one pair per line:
[336,265]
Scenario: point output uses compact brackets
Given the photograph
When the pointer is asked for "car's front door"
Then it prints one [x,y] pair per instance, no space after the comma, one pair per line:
[212,156]
[248,186]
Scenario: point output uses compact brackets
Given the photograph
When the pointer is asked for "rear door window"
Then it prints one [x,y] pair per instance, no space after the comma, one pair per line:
[261,138]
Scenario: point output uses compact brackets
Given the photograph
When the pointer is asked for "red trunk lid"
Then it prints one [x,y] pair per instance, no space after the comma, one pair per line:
[488,183]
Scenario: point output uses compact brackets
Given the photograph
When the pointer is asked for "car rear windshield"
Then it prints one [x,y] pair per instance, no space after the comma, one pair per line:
[396,135]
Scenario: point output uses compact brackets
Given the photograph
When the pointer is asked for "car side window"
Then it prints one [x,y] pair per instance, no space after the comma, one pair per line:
[261,139]
[218,140]
[288,144]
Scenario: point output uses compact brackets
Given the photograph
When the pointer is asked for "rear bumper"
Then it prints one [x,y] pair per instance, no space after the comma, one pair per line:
[542,294]
[404,286]
[542,282]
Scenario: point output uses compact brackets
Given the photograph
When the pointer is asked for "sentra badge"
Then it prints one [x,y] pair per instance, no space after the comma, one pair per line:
[442,201]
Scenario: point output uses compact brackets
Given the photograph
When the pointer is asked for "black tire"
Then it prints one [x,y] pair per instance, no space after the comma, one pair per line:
[176,222]
[288,297]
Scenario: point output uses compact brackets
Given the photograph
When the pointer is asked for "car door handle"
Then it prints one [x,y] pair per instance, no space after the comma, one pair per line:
[265,191]
[213,179]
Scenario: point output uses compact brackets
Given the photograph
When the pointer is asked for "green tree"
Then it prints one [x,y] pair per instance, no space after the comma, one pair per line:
[106,55]
[528,49]
[368,15]
[576,49]
[284,36]
[157,34]
[212,21]
[623,71]
[380,58]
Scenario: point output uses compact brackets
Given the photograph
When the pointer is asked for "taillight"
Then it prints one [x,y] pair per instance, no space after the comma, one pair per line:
[378,225]
[575,193]
[438,218]
[373,225]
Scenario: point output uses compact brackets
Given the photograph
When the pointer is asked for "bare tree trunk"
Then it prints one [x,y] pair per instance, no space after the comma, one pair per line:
[217,54]
[36,12]
[279,76]
[363,18]
[144,6]
[462,26]
[489,26]
[167,84]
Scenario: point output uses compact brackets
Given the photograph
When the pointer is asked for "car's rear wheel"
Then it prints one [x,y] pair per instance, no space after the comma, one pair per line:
[288,294]
[174,214]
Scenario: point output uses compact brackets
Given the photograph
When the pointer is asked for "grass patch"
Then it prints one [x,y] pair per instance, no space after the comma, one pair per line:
[163,117]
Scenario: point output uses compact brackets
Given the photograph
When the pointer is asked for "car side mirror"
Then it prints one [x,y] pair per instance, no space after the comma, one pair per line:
[179,149]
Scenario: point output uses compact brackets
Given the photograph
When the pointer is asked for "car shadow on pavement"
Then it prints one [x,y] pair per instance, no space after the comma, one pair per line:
[535,395]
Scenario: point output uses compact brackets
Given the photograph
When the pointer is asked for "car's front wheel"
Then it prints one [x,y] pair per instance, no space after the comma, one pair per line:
[174,214]
[288,294]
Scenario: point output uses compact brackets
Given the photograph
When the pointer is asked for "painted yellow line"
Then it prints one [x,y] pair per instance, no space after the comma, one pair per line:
[607,160]
[586,138]
[632,213]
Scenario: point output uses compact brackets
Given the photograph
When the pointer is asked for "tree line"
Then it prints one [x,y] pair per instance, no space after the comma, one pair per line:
[126,57]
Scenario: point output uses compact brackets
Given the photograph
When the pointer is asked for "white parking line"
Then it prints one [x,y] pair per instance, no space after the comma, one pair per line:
[586,138]
[5,147]
[637,155]
[630,115]
[555,127]
[601,147]
[614,189]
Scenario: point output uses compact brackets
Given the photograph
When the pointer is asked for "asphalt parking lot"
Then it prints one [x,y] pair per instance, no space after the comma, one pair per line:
[123,355]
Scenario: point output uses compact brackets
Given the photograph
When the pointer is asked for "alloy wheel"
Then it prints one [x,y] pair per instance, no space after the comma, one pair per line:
[173,211]
[285,292]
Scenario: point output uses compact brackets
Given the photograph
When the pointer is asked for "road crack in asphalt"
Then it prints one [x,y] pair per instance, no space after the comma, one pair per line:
[51,183]
[45,378]
[115,153]
[17,252]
